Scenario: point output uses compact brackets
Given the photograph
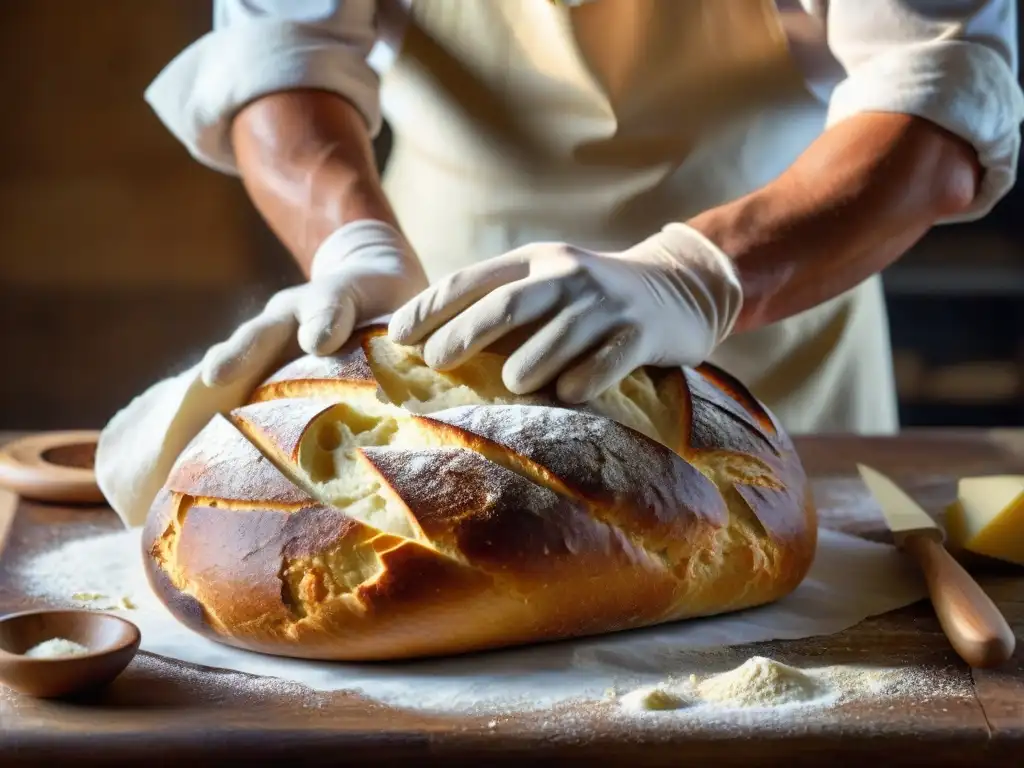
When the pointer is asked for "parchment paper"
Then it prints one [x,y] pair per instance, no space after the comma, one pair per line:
[850,580]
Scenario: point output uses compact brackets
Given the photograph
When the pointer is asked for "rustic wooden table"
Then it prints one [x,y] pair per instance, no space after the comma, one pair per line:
[160,710]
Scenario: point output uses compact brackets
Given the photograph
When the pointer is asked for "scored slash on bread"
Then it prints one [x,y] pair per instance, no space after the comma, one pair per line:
[366,507]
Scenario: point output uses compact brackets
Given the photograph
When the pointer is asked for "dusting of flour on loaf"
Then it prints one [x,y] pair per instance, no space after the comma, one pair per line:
[222,462]
[603,461]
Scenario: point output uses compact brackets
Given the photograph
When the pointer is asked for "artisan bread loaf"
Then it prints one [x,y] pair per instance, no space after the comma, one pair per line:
[365,507]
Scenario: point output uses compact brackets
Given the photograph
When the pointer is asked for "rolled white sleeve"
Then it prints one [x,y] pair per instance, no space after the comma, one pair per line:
[952,62]
[258,47]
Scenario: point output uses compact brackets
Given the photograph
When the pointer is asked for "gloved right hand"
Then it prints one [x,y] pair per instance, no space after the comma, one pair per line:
[363,270]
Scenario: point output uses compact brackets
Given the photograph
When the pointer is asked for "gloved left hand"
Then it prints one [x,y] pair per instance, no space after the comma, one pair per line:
[365,269]
[668,301]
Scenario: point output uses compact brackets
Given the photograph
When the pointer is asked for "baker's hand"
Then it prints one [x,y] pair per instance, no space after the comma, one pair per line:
[668,301]
[363,270]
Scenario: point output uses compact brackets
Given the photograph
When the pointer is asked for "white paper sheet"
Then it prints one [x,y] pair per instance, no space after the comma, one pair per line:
[850,580]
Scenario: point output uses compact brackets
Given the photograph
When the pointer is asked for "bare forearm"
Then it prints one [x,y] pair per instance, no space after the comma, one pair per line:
[852,204]
[307,162]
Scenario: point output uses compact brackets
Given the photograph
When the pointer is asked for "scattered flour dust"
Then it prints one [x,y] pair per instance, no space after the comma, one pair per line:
[762,683]
[92,573]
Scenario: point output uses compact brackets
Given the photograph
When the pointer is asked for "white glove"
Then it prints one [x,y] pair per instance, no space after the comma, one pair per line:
[363,270]
[668,301]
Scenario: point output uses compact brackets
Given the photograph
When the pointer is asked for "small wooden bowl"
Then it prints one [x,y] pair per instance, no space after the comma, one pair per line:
[111,640]
[52,466]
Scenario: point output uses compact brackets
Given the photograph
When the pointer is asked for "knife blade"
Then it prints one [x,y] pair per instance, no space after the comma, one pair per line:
[976,628]
[902,514]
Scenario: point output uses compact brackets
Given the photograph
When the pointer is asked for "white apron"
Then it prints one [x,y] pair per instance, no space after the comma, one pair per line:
[523,120]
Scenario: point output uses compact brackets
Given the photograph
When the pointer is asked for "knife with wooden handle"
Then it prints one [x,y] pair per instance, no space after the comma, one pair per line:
[972,622]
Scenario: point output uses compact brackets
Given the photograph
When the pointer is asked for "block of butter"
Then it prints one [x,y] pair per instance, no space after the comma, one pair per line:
[988,517]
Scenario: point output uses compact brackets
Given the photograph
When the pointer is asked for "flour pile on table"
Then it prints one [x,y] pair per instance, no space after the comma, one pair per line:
[850,580]
[762,683]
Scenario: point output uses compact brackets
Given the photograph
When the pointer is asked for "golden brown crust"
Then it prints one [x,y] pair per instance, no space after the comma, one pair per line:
[529,539]
[648,489]
[229,565]
[221,464]
[268,424]
[316,376]
[322,521]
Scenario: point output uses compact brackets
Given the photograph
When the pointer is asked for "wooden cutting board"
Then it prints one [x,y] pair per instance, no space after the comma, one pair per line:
[205,717]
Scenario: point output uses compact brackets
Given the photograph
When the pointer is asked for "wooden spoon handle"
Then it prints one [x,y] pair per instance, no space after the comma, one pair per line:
[972,622]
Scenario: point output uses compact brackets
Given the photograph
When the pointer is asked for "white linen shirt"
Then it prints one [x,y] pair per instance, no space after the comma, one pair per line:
[952,62]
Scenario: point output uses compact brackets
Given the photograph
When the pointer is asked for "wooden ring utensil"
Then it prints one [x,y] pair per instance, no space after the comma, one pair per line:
[8,509]
[52,466]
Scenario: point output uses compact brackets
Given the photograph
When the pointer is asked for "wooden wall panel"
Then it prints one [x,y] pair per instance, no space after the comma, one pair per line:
[93,190]
[121,257]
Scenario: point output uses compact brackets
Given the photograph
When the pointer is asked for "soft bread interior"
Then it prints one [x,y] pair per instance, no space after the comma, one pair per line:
[406,380]
[331,468]
[336,572]
[328,464]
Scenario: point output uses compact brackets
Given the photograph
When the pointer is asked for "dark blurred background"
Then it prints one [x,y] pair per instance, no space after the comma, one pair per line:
[122,259]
